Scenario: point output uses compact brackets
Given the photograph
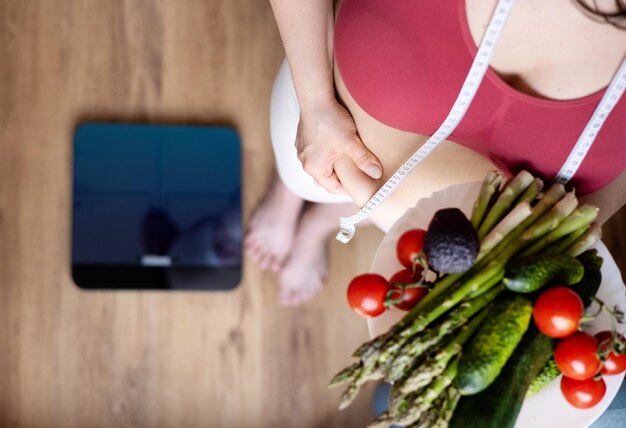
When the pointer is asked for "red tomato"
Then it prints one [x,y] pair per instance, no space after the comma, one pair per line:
[576,356]
[410,295]
[367,293]
[583,393]
[614,363]
[557,312]
[410,246]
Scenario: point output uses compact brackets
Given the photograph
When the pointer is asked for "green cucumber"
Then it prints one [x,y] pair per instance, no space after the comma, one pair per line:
[494,342]
[499,405]
[546,374]
[588,286]
[529,274]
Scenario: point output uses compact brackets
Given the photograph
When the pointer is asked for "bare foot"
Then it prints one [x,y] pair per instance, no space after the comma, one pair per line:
[273,227]
[305,271]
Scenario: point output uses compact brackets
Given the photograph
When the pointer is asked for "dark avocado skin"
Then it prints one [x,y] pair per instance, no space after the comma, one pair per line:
[451,244]
[499,404]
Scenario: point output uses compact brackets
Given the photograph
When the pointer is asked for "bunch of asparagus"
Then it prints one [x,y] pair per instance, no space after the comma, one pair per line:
[419,354]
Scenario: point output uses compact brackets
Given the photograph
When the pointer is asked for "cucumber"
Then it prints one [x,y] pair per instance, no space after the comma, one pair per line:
[546,374]
[529,274]
[588,286]
[494,342]
[499,405]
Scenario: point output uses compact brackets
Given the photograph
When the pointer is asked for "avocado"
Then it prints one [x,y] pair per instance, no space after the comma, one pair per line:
[451,244]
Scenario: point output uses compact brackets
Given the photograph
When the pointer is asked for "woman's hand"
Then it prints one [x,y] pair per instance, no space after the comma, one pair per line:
[325,132]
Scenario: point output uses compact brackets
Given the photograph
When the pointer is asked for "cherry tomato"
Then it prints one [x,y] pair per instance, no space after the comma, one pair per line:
[576,356]
[557,312]
[367,293]
[410,295]
[410,246]
[583,394]
[614,363]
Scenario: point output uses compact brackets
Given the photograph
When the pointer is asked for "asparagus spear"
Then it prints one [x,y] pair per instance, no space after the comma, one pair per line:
[489,187]
[368,371]
[447,409]
[488,285]
[531,191]
[349,394]
[431,337]
[549,222]
[443,303]
[502,229]
[346,375]
[504,202]
[430,417]
[580,218]
[441,411]
[559,246]
[436,364]
[530,229]
[430,394]
[585,242]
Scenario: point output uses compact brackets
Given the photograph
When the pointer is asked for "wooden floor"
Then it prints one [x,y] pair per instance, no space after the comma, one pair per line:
[70,358]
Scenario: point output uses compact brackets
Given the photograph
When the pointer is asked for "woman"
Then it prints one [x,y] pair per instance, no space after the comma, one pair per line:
[374,83]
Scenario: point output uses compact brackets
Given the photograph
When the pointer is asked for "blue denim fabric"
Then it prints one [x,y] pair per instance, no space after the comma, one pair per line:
[615,415]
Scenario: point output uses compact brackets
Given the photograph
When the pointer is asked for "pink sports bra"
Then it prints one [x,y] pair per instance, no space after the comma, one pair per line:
[404,62]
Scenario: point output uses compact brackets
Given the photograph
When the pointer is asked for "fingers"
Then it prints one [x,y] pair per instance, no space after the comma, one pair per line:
[321,169]
[332,184]
[363,158]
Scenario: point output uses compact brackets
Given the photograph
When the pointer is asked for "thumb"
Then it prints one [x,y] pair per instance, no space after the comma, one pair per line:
[364,159]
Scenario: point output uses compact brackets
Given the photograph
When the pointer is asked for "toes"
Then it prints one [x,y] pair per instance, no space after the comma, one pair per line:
[276,265]
[266,261]
[250,241]
[278,262]
[256,253]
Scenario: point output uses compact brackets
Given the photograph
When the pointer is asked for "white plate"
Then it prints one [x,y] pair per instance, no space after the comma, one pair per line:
[547,408]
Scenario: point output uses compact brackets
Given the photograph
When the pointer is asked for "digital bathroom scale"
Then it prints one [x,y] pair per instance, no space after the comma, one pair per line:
[156,207]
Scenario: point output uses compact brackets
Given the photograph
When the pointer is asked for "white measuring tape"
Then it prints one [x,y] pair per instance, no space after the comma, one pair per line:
[586,139]
[468,91]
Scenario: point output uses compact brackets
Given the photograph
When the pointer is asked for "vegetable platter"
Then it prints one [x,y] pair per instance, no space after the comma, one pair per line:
[440,389]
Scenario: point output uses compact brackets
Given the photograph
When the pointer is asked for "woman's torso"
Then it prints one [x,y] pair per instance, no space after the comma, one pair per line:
[400,65]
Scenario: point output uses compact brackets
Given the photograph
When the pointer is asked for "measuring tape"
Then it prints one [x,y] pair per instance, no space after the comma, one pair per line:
[468,91]
[586,139]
